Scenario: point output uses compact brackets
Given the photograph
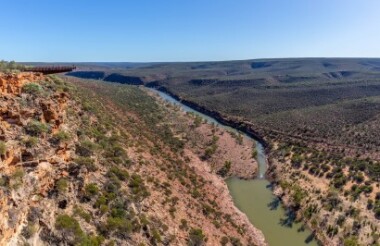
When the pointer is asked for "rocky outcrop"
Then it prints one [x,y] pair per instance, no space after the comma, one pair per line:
[12,83]
[26,164]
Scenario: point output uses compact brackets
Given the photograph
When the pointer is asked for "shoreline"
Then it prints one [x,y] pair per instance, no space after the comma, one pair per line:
[244,128]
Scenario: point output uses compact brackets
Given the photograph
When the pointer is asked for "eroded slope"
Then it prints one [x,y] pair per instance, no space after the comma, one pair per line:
[96,164]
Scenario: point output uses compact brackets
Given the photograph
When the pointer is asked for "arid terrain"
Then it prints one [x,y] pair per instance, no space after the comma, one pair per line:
[319,118]
[91,163]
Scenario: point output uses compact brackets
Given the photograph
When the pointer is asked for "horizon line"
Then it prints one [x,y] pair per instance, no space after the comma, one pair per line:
[194,61]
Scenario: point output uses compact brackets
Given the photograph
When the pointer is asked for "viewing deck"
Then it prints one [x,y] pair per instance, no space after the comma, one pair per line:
[50,69]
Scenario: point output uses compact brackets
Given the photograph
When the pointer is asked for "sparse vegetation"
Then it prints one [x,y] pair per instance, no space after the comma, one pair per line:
[30,142]
[36,128]
[32,88]
[70,228]
[11,66]
[61,137]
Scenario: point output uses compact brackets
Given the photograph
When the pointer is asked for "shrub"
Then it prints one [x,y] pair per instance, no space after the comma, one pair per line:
[83,214]
[183,225]
[359,178]
[16,178]
[3,148]
[377,212]
[69,227]
[224,240]
[235,241]
[4,181]
[61,136]
[118,172]
[351,241]
[36,128]
[92,241]
[31,142]
[32,88]
[254,153]
[136,183]
[156,237]
[87,162]
[91,189]
[297,196]
[196,237]
[197,121]
[28,231]
[102,200]
[62,185]
[85,148]
[210,151]
[121,226]
[225,169]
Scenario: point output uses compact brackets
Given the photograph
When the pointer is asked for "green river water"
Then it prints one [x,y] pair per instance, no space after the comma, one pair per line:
[255,198]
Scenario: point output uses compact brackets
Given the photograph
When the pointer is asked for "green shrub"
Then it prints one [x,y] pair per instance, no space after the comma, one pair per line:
[69,227]
[137,186]
[197,121]
[91,189]
[235,241]
[3,148]
[83,214]
[196,237]
[156,237]
[102,200]
[298,194]
[351,241]
[4,181]
[87,162]
[209,152]
[92,241]
[36,128]
[61,136]
[28,231]
[225,169]
[377,212]
[118,172]
[16,178]
[86,148]
[62,185]
[254,153]
[121,226]
[32,88]
[31,142]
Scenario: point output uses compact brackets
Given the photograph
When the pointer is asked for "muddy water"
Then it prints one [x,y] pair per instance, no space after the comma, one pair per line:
[255,198]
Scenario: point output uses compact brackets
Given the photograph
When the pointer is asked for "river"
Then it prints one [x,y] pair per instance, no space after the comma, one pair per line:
[255,198]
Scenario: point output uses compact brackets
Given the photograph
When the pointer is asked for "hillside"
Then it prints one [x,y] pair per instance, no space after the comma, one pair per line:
[320,118]
[90,163]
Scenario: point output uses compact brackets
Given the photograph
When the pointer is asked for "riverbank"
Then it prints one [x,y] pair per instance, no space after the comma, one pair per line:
[248,194]
[228,152]
[245,127]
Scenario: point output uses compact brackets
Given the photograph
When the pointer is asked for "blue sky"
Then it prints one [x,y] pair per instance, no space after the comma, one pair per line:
[187,30]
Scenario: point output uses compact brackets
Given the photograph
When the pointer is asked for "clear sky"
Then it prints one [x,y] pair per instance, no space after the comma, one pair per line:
[187,30]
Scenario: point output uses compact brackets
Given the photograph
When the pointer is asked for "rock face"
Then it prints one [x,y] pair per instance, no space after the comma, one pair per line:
[12,83]
[26,173]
